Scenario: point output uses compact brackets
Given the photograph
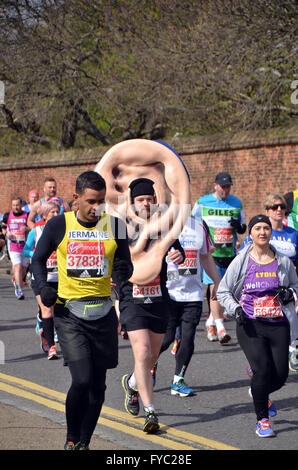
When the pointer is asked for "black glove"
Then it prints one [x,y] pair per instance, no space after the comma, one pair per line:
[285,295]
[48,296]
[239,316]
[236,225]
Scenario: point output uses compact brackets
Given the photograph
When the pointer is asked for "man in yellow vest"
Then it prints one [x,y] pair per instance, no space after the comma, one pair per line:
[89,247]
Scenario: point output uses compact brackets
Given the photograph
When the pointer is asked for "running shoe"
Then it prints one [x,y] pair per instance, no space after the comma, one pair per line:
[52,353]
[180,389]
[223,337]
[151,425]
[272,411]
[69,445]
[293,360]
[249,371]
[38,328]
[153,373]
[21,295]
[211,333]
[44,344]
[175,346]
[131,402]
[56,339]
[18,292]
[264,429]
[124,334]
[83,446]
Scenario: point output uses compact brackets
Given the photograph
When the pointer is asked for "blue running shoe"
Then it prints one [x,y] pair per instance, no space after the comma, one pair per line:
[263,428]
[38,328]
[180,389]
[18,292]
[272,411]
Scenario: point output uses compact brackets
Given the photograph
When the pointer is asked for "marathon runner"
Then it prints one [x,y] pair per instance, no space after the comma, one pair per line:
[15,227]
[45,324]
[186,293]
[89,247]
[144,316]
[50,191]
[224,215]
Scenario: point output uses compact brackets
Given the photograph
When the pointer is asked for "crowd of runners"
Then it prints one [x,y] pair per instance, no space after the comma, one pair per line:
[78,262]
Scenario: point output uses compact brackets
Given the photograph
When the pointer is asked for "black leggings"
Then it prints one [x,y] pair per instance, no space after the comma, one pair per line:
[266,347]
[187,316]
[84,399]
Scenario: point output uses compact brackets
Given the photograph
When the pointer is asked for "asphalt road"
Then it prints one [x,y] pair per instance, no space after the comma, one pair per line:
[220,416]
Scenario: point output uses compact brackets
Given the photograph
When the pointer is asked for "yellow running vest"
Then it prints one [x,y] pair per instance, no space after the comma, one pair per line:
[85,258]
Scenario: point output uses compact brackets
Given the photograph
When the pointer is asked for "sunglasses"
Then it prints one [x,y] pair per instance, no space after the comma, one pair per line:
[276,206]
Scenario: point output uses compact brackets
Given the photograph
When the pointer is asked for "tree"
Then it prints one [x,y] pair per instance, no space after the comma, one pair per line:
[83,73]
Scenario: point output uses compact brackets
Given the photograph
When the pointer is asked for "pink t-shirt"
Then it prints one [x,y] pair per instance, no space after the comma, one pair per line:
[15,225]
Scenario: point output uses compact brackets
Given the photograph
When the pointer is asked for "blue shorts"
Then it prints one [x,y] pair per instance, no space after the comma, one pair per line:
[207,280]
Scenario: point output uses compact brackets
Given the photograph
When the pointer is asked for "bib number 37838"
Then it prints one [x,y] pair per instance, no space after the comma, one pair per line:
[86,259]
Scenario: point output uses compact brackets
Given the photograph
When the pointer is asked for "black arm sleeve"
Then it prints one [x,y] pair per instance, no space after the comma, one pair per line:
[52,235]
[122,267]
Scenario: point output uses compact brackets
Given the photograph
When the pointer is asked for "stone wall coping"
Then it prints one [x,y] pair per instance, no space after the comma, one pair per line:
[183,146]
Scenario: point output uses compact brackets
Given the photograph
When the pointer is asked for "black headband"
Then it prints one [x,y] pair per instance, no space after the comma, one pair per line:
[141,186]
[258,218]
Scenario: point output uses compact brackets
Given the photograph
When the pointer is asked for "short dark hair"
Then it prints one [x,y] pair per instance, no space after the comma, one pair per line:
[49,178]
[16,198]
[90,179]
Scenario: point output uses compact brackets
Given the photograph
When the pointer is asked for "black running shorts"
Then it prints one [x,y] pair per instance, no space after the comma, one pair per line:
[37,291]
[139,316]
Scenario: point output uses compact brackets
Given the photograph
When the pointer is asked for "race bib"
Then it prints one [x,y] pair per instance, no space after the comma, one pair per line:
[190,264]
[18,236]
[147,294]
[52,263]
[86,259]
[223,235]
[267,307]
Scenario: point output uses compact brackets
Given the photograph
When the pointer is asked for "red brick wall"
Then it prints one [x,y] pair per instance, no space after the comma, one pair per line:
[257,170]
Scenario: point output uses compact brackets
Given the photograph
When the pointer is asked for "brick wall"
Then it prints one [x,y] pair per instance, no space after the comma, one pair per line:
[258,165]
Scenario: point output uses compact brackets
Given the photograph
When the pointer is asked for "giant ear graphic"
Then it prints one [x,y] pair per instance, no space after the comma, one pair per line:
[149,240]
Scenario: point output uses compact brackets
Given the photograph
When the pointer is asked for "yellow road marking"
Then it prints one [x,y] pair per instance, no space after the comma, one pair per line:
[175,439]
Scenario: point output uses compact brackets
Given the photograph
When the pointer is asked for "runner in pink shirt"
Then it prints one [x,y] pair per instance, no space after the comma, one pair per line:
[16,234]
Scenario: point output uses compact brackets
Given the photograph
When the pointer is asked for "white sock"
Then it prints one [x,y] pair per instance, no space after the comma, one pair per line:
[210,321]
[219,324]
[177,378]
[149,408]
[132,382]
